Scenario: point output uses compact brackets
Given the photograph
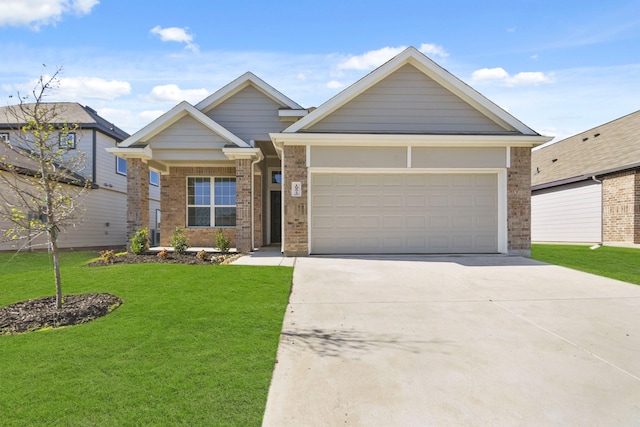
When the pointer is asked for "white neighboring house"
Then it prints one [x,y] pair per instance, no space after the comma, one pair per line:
[103,213]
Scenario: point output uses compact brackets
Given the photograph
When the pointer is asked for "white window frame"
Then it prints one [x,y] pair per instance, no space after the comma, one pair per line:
[118,171]
[151,181]
[212,206]
[4,136]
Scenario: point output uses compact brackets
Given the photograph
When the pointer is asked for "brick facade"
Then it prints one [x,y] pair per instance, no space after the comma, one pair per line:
[137,196]
[519,202]
[295,233]
[173,196]
[621,207]
[243,205]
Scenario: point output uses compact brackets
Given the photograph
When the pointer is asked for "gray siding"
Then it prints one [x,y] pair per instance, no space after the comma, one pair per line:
[249,114]
[407,101]
[570,213]
[187,134]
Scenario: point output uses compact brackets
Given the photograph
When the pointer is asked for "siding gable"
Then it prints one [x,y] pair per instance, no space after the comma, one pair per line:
[187,134]
[249,114]
[407,101]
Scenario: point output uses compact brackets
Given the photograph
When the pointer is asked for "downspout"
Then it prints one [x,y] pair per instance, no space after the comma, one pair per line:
[282,233]
[94,159]
[601,213]
[253,225]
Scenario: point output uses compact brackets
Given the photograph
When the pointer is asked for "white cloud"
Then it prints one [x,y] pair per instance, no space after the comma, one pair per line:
[175,34]
[527,78]
[150,115]
[36,13]
[77,88]
[92,87]
[375,58]
[334,84]
[433,50]
[172,93]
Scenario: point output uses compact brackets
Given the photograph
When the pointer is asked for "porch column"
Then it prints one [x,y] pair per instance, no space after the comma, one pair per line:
[243,205]
[137,196]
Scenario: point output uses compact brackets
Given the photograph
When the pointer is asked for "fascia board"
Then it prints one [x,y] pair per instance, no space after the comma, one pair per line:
[390,140]
[144,153]
[240,83]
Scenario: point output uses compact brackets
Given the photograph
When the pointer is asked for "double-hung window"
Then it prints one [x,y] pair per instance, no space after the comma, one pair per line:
[211,202]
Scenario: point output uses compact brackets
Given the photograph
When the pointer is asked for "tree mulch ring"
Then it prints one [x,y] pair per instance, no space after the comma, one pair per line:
[171,258]
[35,314]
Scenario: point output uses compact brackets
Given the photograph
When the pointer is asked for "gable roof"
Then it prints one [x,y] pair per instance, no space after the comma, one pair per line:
[414,57]
[181,110]
[240,83]
[70,112]
[606,148]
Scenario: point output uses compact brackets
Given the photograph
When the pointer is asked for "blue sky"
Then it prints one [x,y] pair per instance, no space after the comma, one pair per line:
[561,67]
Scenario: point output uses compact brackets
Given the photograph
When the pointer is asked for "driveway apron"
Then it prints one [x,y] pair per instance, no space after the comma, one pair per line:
[449,341]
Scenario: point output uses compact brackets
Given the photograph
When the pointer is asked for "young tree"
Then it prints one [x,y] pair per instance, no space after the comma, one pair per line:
[42,187]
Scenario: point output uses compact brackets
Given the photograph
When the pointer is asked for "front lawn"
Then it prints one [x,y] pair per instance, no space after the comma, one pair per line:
[191,345]
[616,263]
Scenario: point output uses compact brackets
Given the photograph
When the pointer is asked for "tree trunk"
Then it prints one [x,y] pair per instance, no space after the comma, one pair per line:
[56,267]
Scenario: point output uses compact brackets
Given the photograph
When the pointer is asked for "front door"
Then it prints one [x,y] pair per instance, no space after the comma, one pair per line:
[276,216]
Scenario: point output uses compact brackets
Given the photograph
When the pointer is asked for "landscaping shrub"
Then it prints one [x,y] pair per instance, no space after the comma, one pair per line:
[107,256]
[180,242]
[140,241]
[202,255]
[222,244]
[164,254]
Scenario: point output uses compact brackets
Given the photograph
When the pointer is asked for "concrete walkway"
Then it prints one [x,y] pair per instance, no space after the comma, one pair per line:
[454,341]
[267,255]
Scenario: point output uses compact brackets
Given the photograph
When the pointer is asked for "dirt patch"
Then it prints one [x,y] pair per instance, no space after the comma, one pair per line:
[190,259]
[41,313]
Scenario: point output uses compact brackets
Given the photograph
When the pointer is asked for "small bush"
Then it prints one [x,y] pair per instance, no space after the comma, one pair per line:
[107,256]
[140,242]
[222,244]
[202,256]
[164,254]
[179,241]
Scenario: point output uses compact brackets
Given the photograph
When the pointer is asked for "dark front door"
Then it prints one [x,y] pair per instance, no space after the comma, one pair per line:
[276,216]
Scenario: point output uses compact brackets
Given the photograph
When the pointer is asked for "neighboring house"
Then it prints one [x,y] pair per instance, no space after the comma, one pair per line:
[409,159]
[103,221]
[586,188]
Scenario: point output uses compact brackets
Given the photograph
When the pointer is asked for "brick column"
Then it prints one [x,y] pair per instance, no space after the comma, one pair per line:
[243,205]
[519,202]
[296,227]
[137,196]
[621,207]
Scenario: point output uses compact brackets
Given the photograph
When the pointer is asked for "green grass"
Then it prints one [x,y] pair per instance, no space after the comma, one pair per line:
[191,345]
[616,263]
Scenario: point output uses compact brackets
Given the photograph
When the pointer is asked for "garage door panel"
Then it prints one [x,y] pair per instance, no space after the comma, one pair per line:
[404,213]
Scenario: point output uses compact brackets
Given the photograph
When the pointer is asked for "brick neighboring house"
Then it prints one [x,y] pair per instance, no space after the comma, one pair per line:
[586,188]
[409,159]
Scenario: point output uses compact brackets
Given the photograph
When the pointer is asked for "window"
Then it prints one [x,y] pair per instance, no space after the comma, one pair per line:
[121,166]
[4,137]
[67,141]
[154,178]
[211,205]
[276,177]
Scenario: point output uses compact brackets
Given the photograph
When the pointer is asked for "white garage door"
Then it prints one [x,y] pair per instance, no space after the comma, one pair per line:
[404,213]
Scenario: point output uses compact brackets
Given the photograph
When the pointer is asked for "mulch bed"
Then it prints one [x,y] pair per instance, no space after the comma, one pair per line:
[172,258]
[41,313]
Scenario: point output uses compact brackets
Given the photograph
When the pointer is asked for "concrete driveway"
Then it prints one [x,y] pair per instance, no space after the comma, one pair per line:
[450,341]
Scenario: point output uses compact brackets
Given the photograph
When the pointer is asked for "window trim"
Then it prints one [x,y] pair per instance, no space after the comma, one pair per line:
[71,136]
[118,171]
[212,206]
[5,137]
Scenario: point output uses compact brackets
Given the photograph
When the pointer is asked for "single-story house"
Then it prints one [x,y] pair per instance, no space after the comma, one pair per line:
[409,159]
[103,213]
[586,188]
